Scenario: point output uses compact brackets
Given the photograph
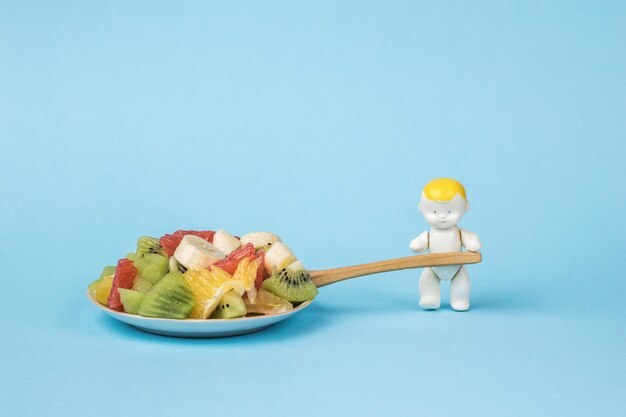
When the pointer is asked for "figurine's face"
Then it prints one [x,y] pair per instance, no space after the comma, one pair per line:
[443,215]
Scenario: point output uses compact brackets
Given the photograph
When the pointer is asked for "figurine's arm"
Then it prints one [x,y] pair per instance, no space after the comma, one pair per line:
[470,241]
[420,243]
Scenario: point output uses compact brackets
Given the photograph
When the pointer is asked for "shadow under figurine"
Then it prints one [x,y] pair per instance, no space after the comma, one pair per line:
[443,204]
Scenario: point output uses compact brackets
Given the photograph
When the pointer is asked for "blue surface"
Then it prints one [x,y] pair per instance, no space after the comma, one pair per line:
[320,121]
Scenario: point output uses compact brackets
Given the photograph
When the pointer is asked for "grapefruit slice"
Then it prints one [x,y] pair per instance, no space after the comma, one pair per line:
[125,274]
[229,264]
[171,242]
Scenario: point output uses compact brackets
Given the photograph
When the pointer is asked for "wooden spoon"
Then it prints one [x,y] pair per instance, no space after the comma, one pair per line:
[328,276]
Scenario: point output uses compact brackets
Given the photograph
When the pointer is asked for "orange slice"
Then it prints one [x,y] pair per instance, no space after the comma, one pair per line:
[209,285]
[246,274]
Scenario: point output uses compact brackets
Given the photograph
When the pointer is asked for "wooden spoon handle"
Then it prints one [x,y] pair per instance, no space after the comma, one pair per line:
[328,276]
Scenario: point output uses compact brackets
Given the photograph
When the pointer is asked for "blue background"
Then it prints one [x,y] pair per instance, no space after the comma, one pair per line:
[320,121]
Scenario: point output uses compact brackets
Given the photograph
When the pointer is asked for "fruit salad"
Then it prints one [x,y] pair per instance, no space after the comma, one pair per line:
[193,274]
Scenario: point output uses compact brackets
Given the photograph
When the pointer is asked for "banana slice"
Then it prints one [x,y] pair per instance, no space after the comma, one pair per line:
[225,242]
[260,239]
[277,257]
[193,252]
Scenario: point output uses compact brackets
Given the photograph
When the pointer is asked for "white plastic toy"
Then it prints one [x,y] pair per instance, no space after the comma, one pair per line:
[443,203]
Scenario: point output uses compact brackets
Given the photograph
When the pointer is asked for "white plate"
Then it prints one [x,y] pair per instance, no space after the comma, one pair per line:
[199,328]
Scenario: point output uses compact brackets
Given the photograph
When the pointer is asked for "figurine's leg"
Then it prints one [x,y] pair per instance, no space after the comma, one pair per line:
[460,291]
[430,294]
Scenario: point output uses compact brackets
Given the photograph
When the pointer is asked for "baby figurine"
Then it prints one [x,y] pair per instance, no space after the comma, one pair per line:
[443,203]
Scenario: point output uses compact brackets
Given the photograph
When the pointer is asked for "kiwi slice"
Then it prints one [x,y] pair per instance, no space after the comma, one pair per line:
[175,266]
[159,266]
[138,260]
[147,244]
[169,298]
[292,283]
[141,285]
[231,306]
[131,300]
[150,269]
[108,270]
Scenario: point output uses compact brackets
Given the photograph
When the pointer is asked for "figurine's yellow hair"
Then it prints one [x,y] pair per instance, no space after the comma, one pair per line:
[444,189]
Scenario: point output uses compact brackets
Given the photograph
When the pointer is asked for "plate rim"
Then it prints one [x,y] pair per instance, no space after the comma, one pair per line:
[240,319]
